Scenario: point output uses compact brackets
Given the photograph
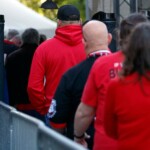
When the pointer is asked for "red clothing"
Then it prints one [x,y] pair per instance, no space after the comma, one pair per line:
[127,112]
[103,70]
[51,59]
[8,42]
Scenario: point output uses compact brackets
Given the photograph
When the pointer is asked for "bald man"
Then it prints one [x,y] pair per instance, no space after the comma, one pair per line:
[96,38]
[69,91]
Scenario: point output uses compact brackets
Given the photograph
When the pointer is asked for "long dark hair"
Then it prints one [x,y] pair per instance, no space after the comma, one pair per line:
[127,25]
[137,52]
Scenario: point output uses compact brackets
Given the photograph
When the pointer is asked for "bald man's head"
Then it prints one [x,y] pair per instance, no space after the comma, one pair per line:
[95,35]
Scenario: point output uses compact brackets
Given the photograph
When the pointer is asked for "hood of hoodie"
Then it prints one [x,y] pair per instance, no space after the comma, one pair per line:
[70,34]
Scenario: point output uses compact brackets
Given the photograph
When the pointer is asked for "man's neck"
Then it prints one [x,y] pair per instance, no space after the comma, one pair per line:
[94,49]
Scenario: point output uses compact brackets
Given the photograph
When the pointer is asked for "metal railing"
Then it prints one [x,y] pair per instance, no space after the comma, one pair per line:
[5,126]
[22,132]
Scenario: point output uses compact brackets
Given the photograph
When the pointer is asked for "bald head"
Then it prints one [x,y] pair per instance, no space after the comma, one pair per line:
[95,35]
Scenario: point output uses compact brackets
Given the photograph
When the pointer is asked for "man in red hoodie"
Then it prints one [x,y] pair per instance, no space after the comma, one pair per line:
[55,56]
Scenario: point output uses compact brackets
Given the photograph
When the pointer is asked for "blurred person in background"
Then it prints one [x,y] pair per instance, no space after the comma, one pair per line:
[17,40]
[42,38]
[17,71]
[11,33]
[9,45]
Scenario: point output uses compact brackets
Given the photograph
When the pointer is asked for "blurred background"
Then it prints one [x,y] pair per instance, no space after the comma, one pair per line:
[22,14]
[35,5]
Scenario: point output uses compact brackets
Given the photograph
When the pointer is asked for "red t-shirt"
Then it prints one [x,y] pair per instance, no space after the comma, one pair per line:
[127,112]
[103,70]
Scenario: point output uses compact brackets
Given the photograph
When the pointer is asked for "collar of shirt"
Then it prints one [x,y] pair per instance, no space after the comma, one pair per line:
[99,53]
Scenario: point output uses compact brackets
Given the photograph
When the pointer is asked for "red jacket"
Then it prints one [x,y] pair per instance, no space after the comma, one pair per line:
[51,59]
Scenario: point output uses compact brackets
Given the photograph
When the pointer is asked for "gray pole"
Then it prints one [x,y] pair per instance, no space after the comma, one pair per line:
[1,58]
[133,6]
[116,7]
[87,10]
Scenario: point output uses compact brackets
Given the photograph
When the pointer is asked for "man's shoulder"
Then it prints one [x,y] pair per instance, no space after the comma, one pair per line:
[14,54]
[75,69]
[117,56]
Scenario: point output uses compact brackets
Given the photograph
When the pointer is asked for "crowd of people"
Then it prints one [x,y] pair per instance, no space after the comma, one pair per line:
[77,86]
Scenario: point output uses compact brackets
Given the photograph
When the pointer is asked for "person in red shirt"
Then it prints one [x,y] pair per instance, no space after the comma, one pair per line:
[127,109]
[55,56]
[103,71]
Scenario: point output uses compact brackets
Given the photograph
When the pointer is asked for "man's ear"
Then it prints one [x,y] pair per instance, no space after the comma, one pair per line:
[109,38]
[83,41]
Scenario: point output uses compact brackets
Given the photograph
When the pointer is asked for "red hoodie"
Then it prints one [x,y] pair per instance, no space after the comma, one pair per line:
[51,59]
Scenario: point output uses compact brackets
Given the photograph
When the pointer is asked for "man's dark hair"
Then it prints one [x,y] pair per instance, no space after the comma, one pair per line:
[137,52]
[30,36]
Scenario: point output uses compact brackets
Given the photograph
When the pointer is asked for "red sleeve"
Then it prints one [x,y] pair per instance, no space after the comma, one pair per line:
[110,118]
[36,83]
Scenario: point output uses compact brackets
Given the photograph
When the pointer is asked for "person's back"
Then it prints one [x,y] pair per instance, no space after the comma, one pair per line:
[127,112]
[17,69]
[55,56]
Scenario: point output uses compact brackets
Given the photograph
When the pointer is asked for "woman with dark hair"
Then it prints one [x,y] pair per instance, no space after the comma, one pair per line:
[127,108]
[127,25]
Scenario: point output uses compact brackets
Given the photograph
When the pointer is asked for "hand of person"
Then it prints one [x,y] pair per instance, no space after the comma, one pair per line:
[81,140]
